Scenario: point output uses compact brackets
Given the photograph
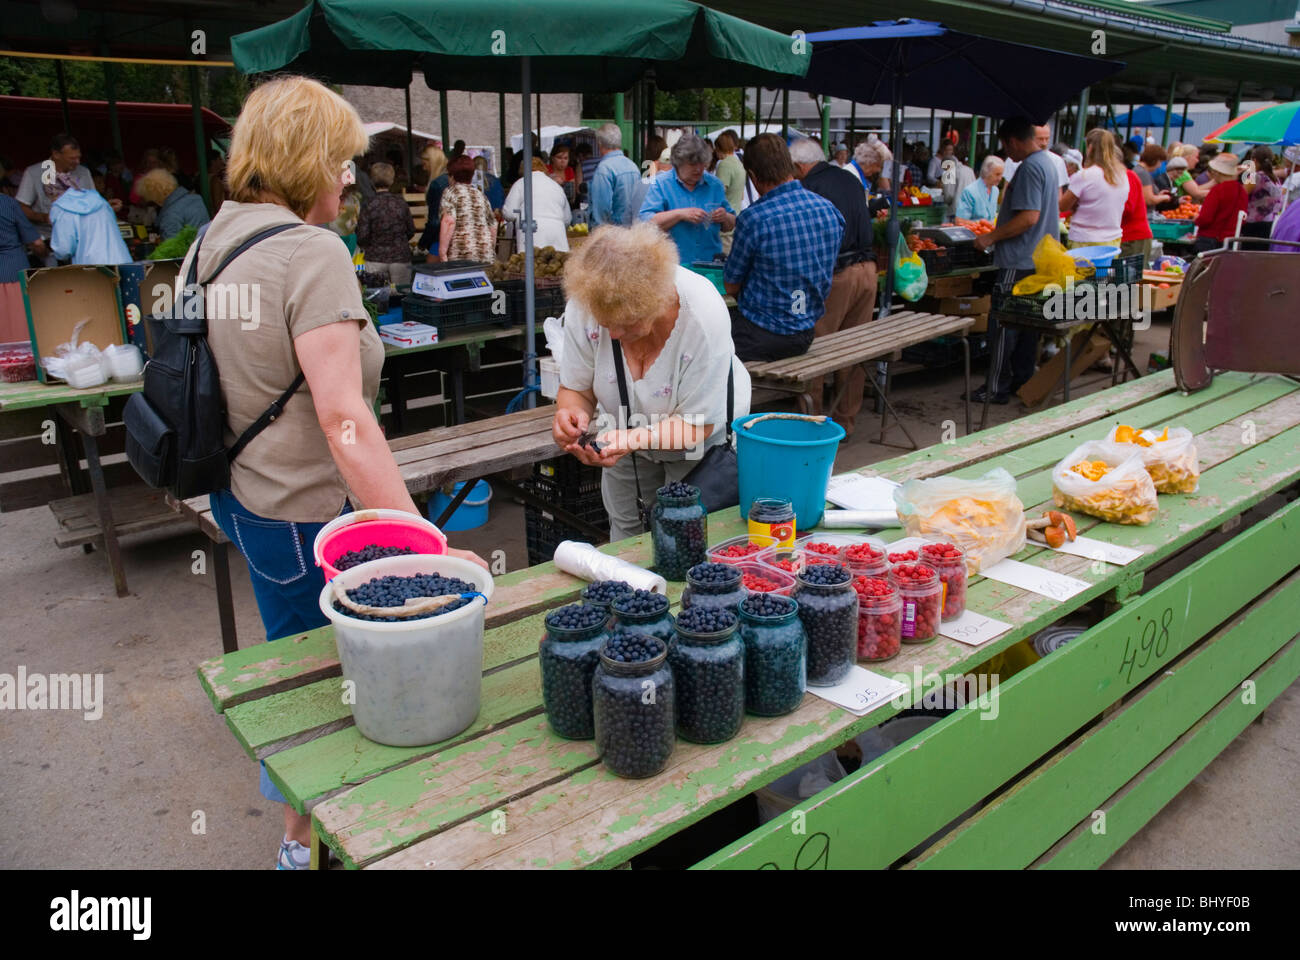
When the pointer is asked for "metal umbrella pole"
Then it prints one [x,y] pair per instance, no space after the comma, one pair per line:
[530,295]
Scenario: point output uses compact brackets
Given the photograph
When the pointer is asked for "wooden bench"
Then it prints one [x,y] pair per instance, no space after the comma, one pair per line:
[1118,720]
[880,340]
[428,461]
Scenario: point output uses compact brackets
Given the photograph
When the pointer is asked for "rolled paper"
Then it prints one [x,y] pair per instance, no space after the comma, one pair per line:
[860,518]
[584,560]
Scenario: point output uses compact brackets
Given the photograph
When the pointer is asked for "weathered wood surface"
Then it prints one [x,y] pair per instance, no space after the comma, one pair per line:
[30,394]
[438,805]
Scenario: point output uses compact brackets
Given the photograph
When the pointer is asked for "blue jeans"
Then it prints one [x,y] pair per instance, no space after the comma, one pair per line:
[286,581]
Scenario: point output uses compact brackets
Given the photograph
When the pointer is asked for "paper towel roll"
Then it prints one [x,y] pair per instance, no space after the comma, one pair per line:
[860,518]
[584,560]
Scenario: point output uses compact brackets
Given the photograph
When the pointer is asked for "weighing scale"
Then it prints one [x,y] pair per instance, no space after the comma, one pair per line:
[948,236]
[454,280]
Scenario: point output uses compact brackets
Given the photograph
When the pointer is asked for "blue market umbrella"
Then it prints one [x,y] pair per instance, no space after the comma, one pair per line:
[1149,115]
[921,63]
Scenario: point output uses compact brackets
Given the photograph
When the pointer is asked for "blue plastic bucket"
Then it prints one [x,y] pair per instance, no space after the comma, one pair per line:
[1098,256]
[472,512]
[789,459]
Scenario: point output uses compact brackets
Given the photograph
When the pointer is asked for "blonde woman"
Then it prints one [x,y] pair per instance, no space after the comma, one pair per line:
[435,163]
[624,286]
[177,207]
[289,159]
[1097,193]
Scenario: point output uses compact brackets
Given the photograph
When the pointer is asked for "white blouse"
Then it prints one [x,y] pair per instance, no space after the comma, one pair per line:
[550,210]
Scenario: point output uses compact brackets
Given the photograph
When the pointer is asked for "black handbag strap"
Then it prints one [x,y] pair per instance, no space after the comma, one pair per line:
[273,412]
[625,414]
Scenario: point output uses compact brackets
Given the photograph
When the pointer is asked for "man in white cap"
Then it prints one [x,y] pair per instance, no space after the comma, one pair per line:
[1073,161]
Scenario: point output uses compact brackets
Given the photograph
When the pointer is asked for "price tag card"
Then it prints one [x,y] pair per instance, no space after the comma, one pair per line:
[973,628]
[1100,550]
[1057,586]
[861,691]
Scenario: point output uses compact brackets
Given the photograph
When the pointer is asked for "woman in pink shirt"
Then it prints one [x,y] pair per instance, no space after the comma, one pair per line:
[1097,194]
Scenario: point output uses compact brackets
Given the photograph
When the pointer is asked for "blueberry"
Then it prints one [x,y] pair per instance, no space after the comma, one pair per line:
[392,591]
[568,656]
[633,698]
[776,653]
[708,663]
[605,592]
[679,531]
[828,609]
[367,553]
[705,620]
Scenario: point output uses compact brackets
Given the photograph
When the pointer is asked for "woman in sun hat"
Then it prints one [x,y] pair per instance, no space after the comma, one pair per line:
[1227,198]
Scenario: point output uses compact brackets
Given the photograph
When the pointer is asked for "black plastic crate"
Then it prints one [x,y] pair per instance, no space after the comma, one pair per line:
[450,315]
[548,299]
[1121,270]
[544,532]
[569,476]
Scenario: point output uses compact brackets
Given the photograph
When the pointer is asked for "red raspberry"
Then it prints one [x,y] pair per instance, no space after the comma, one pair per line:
[860,552]
[879,624]
[738,550]
[786,565]
[951,566]
[903,556]
[757,584]
[826,549]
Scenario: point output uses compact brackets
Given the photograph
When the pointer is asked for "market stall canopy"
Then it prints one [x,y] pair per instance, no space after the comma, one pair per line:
[1149,115]
[29,122]
[380,128]
[1275,125]
[547,137]
[924,64]
[586,46]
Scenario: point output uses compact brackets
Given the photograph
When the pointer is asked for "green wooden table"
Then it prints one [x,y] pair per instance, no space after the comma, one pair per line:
[83,411]
[1088,742]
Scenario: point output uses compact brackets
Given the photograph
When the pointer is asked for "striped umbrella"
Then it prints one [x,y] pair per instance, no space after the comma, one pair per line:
[1278,124]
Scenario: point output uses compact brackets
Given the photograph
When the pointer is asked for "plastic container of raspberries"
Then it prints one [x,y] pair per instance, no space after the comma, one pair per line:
[17,364]
[949,562]
[757,577]
[880,621]
[744,547]
[814,548]
[381,532]
[922,595]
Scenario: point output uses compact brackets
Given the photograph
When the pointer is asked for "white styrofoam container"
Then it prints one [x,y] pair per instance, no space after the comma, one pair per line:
[550,376]
[408,333]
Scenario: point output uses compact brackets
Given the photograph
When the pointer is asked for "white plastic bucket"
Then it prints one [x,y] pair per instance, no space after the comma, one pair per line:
[415,682]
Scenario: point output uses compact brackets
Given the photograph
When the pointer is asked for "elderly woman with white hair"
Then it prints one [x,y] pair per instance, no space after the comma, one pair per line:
[871,158]
[630,301]
[177,207]
[979,201]
[690,203]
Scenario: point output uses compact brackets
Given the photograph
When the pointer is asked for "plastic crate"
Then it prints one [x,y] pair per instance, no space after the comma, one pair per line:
[1121,270]
[450,315]
[929,214]
[1163,229]
[548,301]
[712,269]
[569,476]
[544,532]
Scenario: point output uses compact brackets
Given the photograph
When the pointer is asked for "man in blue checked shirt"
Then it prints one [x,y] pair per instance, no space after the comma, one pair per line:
[782,259]
[613,182]
[689,203]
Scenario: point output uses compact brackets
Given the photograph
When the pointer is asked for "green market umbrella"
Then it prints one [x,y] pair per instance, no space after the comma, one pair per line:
[1275,125]
[494,45]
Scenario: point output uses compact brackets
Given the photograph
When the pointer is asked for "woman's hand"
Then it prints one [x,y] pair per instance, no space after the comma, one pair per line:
[568,425]
[728,220]
[616,444]
[695,215]
[469,555]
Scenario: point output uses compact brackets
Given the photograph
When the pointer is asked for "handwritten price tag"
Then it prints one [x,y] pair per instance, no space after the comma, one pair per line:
[861,691]
[1057,586]
[973,628]
[1100,550]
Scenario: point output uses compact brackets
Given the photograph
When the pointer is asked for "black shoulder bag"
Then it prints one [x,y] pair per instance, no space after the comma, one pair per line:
[717,475]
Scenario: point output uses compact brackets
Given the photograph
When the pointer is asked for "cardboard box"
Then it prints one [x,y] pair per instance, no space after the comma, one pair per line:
[56,299]
[408,333]
[1083,354]
[951,286]
[146,288]
[981,324]
[965,306]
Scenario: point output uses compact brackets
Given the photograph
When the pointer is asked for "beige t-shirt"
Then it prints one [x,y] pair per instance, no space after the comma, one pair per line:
[297,281]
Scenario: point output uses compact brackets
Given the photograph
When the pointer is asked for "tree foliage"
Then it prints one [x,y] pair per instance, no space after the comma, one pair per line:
[222,89]
[714,104]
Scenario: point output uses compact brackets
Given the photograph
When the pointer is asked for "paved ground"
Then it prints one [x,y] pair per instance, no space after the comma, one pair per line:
[159,782]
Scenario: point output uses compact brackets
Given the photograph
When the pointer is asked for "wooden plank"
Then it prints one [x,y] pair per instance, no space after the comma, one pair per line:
[1026,819]
[271,724]
[29,394]
[39,490]
[136,509]
[507,425]
[859,344]
[424,475]
[1036,709]
[1130,809]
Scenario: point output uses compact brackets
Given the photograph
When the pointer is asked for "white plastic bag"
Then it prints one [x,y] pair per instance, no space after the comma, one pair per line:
[1124,493]
[983,517]
[80,364]
[1171,462]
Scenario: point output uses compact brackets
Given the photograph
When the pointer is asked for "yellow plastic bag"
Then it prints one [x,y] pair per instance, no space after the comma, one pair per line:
[982,516]
[1106,481]
[1052,264]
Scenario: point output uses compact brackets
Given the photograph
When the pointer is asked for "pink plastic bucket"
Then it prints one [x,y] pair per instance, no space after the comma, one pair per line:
[386,528]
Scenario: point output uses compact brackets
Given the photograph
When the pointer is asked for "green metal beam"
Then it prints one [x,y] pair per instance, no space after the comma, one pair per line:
[446,125]
[1169,110]
[1081,119]
[826,125]
[200,138]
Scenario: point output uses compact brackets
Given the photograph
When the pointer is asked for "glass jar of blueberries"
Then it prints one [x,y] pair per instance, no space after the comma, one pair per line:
[679,530]
[776,654]
[633,699]
[828,609]
[602,593]
[568,655]
[642,611]
[714,586]
[708,662]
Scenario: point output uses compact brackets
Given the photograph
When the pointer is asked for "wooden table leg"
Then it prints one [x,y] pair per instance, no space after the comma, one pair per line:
[320,854]
[225,599]
[965,349]
[105,511]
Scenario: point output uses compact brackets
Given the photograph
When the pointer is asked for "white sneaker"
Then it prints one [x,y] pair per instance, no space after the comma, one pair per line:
[293,856]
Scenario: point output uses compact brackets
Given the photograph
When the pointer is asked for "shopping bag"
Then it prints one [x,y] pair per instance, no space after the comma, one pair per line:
[983,516]
[1052,265]
[1103,480]
[910,279]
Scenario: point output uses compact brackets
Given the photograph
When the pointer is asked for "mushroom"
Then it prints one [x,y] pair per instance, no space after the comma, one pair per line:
[1053,528]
